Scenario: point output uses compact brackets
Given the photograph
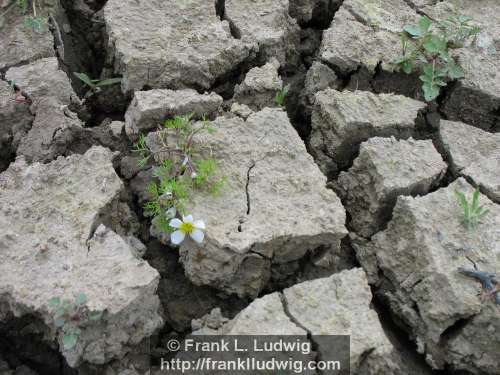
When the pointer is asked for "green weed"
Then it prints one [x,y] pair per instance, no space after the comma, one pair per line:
[32,20]
[472,212]
[181,172]
[281,96]
[427,48]
[70,316]
[96,83]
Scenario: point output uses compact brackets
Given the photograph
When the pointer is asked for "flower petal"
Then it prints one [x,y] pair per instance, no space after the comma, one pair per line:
[197,235]
[187,219]
[175,223]
[177,237]
[200,224]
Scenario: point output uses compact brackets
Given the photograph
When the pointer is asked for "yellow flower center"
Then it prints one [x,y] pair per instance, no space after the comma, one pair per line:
[187,228]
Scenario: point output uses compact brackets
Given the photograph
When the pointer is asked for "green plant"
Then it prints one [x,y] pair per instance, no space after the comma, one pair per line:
[31,21]
[281,96]
[180,169]
[472,212]
[37,24]
[23,5]
[96,83]
[427,47]
[70,316]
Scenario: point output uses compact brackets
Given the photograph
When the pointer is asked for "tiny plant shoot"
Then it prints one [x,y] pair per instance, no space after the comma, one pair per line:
[472,212]
[70,316]
[94,84]
[427,48]
[32,20]
[281,96]
[179,172]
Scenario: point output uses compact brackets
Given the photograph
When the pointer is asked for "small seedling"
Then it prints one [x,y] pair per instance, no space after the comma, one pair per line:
[427,47]
[94,84]
[37,24]
[281,96]
[23,5]
[31,21]
[472,213]
[180,170]
[70,316]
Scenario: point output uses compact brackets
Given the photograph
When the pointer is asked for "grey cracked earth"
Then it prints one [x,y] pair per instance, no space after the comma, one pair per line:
[339,215]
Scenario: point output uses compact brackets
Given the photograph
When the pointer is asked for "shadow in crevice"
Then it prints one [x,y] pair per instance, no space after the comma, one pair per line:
[311,36]
[85,51]
[85,46]
[7,156]
[22,344]
[323,14]
[406,349]
[182,300]
[220,10]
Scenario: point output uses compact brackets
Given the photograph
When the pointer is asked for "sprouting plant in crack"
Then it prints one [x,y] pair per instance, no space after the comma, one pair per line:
[32,19]
[281,96]
[427,48]
[180,170]
[472,212]
[95,84]
[70,316]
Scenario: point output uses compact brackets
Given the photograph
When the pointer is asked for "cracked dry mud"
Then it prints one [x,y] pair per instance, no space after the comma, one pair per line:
[339,214]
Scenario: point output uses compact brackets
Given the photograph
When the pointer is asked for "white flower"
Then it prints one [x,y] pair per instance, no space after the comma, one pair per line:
[187,226]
